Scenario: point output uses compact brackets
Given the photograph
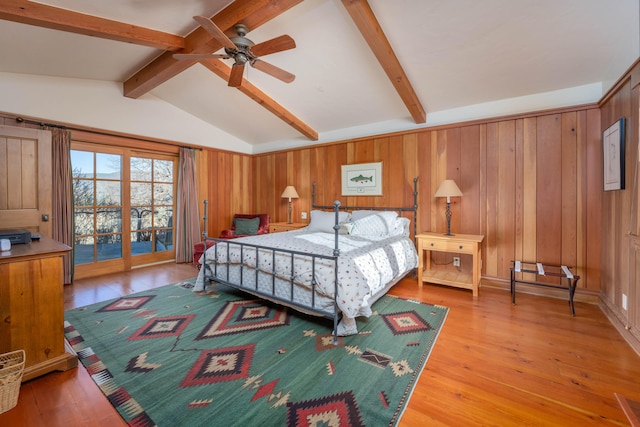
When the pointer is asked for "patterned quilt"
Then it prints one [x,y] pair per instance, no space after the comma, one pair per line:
[365,265]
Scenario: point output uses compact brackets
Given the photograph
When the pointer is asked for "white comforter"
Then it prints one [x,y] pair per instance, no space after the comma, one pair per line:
[365,265]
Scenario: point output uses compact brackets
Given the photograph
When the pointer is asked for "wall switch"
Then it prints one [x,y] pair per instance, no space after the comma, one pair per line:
[456,261]
[303,215]
[624,301]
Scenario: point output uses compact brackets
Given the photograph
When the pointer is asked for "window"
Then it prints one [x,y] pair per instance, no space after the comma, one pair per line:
[97,194]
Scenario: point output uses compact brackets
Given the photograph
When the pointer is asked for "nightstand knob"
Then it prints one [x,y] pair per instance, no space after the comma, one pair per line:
[460,246]
[431,243]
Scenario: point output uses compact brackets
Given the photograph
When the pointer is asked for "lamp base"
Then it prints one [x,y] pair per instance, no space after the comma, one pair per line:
[448,216]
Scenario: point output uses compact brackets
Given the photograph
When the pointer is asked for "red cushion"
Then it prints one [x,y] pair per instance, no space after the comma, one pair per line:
[198,250]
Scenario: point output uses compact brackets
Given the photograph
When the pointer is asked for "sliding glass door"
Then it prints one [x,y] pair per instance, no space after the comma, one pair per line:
[123,208]
[151,205]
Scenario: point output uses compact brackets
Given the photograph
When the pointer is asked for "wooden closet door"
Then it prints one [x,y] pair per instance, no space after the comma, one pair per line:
[25,179]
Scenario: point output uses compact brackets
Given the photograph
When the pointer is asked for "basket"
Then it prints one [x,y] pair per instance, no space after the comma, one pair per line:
[11,369]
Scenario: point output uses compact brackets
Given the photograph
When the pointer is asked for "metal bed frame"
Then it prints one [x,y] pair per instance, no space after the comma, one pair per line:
[211,274]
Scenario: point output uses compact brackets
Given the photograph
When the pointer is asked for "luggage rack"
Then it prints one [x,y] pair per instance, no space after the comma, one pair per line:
[562,272]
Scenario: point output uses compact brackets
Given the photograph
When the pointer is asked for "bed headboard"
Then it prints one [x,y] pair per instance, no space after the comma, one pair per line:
[413,208]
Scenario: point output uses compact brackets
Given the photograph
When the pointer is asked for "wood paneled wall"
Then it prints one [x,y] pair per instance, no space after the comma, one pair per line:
[532,184]
[229,182]
[620,263]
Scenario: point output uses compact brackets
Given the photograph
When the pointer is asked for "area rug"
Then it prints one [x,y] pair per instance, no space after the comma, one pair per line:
[172,357]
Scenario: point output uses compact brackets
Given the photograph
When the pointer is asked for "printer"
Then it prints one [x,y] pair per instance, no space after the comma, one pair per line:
[16,236]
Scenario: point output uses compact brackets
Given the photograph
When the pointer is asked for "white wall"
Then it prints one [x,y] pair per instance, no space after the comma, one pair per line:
[101,105]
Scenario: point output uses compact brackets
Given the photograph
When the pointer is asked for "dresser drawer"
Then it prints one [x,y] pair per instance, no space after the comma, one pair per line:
[448,246]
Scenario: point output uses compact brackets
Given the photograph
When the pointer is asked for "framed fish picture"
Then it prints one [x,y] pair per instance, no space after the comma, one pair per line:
[362,179]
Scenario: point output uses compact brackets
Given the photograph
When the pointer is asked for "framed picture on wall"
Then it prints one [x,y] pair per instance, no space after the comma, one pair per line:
[363,179]
[613,156]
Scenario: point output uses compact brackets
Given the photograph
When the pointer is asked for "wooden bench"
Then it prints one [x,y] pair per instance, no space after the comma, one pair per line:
[562,272]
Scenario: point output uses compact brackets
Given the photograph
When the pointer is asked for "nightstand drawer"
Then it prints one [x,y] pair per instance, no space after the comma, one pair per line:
[448,246]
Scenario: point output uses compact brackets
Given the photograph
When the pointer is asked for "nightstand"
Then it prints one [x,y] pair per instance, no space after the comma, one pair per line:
[277,227]
[457,244]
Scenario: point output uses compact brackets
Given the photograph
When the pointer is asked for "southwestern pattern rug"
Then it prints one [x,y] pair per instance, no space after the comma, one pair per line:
[171,357]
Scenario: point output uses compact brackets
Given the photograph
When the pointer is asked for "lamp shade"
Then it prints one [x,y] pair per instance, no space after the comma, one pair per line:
[448,188]
[290,192]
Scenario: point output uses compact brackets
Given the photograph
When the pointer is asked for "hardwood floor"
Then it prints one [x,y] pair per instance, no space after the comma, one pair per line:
[493,363]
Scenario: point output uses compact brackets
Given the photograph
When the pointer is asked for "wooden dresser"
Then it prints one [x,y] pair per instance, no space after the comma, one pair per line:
[32,306]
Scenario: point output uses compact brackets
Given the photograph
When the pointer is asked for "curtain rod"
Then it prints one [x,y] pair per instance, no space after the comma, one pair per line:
[52,125]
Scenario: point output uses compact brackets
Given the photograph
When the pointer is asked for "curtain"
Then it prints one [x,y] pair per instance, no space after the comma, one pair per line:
[62,200]
[187,219]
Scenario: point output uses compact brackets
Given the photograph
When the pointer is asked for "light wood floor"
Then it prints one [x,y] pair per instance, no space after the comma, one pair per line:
[493,363]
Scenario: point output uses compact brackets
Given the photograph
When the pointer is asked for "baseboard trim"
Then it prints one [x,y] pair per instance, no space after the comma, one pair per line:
[581,295]
[621,326]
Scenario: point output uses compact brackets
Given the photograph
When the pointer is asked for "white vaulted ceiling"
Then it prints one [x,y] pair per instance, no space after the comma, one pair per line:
[464,59]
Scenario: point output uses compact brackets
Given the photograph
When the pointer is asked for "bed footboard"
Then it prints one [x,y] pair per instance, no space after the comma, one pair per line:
[283,281]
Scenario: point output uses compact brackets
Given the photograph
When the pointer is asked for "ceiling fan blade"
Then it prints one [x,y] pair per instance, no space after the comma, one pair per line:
[215,32]
[273,71]
[277,44]
[235,78]
[199,56]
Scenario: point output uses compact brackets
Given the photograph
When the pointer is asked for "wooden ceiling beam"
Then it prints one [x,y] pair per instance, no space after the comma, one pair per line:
[28,12]
[252,13]
[367,23]
[223,70]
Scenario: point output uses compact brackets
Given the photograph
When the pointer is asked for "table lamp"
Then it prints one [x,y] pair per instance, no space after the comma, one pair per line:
[448,189]
[290,193]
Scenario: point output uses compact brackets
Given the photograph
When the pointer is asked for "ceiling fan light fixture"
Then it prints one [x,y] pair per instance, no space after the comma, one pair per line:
[241,58]
[240,49]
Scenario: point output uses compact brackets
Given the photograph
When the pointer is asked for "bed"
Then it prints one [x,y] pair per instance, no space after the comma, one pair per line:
[336,267]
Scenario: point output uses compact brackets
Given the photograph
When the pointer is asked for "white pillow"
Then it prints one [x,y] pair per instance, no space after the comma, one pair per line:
[401,227]
[375,224]
[359,214]
[324,221]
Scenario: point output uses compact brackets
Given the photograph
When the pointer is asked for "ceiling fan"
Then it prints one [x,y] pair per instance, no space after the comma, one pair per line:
[243,51]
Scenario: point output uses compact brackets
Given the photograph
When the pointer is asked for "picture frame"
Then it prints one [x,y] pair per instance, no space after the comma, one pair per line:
[362,179]
[613,146]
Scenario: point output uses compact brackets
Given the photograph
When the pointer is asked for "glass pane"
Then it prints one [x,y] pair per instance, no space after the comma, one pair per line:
[109,246]
[83,221]
[108,166]
[82,164]
[163,218]
[141,218]
[140,169]
[108,193]
[163,194]
[140,193]
[141,243]
[109,221]
[163,171]
[82,192]
[164,240]
[83,250]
